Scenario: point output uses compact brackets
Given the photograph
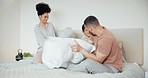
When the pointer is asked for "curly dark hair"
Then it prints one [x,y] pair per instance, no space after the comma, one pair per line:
[42,8]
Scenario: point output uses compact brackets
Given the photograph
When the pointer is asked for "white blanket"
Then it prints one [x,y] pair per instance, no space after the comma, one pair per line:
[57,51]
[25,69]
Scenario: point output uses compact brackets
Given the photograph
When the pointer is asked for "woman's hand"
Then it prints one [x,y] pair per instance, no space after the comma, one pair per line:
[76,47]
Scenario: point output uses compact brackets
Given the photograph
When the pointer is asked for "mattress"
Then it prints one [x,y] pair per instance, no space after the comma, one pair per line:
[26,69]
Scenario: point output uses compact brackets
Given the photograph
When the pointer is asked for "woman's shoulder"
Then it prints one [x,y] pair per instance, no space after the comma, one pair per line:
[36,27]
[49,24]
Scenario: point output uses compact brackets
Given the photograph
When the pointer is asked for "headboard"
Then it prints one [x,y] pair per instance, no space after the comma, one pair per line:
[132,39]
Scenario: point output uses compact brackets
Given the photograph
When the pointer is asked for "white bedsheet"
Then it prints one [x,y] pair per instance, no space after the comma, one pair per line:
[25,69]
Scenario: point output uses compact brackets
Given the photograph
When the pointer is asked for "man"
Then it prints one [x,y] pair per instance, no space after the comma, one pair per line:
[106,57]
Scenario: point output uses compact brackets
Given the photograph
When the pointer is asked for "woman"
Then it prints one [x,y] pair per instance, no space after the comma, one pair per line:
[43,29]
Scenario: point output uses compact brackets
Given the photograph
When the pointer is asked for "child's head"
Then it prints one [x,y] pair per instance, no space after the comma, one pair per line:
[86,32]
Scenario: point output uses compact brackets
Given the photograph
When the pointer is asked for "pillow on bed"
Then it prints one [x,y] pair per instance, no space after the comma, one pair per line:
[66,33]
[78,57]
[132,70]
[123,52]
[57,51]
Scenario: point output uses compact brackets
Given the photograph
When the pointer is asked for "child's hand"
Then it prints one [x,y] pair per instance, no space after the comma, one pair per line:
[76,47]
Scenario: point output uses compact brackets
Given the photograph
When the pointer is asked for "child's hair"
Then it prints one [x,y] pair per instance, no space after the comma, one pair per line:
[42,8]
[83,28]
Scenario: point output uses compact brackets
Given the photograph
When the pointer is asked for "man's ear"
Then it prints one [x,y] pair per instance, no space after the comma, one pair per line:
[90,29]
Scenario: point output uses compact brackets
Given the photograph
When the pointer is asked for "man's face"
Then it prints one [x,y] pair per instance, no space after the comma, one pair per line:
[90,30]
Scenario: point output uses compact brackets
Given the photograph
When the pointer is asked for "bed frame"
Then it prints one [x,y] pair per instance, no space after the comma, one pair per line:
[132,39]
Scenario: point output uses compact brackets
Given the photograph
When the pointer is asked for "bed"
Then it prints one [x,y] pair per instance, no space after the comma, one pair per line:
[132,39]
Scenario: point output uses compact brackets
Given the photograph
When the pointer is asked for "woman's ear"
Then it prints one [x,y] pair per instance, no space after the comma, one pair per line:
[39,16]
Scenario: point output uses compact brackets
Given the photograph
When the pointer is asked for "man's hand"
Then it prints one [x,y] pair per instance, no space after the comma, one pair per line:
[76,47]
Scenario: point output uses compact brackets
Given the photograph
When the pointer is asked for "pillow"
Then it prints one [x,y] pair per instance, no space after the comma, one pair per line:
[123,52]
[66,33]
[57,51]
[78,57]
[134,69]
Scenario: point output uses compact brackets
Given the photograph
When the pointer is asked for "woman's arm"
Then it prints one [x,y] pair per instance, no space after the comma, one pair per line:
[39,36]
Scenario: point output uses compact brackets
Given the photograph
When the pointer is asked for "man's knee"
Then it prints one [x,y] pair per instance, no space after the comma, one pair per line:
[89,61]
[86,61]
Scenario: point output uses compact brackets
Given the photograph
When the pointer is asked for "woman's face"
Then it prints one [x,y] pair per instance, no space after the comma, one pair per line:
[44,18]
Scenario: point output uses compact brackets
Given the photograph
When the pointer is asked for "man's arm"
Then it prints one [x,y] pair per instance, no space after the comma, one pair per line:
[98,56]
[101,52]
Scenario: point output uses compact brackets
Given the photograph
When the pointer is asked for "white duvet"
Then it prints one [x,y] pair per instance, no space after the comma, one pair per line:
[25,69]
[57,51]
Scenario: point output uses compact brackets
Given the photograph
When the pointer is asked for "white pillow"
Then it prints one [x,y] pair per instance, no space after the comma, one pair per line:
[132,69]
[57,51]
[66,33]
[78,57]
[123,51]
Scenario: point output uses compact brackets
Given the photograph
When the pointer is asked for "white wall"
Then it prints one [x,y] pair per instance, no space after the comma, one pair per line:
[9,29]
[71,13]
